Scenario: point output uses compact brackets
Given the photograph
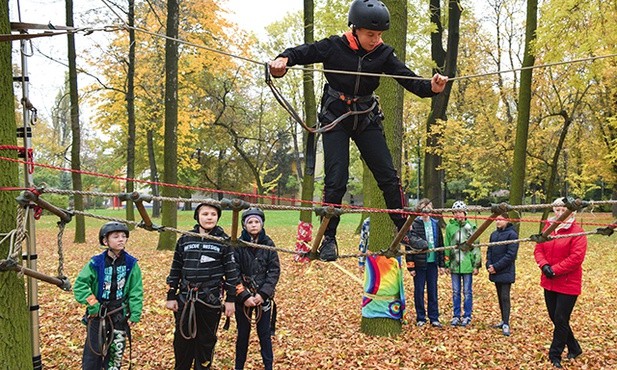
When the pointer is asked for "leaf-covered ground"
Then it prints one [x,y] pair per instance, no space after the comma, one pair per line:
[319,315]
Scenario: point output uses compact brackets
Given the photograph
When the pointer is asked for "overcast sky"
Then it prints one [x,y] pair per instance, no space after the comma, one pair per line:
[47,76]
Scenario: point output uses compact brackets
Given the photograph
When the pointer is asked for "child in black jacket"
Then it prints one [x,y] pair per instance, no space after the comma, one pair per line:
[349,99]
[259,270]
[201,270]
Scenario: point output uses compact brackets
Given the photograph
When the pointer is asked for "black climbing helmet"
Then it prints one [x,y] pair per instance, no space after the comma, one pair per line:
[253,212]
[110,227]
[369,14]
[214,204]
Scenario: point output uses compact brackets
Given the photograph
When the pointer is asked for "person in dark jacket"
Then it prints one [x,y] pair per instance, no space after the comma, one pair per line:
[425,234]
[259,270]
[349,100]
[201,269]
[561,263]
[501,268]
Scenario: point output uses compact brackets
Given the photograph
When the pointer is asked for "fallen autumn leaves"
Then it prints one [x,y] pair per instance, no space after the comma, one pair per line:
[319,316]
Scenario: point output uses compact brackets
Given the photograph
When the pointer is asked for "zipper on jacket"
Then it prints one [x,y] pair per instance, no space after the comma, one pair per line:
[357,87]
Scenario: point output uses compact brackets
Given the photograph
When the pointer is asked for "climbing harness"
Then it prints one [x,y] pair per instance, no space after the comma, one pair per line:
[106,330]
[338,95]
[189,315]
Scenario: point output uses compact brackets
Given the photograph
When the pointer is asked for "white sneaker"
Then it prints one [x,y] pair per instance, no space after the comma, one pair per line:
[506,330]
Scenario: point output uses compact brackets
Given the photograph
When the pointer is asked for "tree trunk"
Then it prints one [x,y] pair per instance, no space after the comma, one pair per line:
[614,196]
[310,110]
[550,188]
[391,93]
[130,112]
[154,174]
[517,189]
[15,347]
[446,62]
[167,240]
[80,225]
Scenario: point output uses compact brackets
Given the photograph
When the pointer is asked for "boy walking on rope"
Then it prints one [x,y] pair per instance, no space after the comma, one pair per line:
[203,266]
[111,286]
[259,271]
[463,262]
[350,107]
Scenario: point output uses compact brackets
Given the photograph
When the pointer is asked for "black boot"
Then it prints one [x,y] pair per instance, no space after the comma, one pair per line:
[572,354]
[556,363]
[329,249]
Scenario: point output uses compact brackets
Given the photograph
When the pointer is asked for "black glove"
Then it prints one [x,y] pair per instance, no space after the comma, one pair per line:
[547,270]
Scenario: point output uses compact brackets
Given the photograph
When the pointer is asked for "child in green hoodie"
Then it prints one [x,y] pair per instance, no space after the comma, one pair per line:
[462,263]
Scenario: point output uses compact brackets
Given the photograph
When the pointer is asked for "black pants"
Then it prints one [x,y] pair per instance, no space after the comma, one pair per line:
[263,332]
[560,308]
[372,146]
[503,295]
[199,350]
[92,360]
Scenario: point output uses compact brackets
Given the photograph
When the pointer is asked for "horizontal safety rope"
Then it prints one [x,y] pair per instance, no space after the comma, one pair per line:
[320,70]
[187,187]
[488,245]
[355,255]
[49,30]
[344,208]
[297,208]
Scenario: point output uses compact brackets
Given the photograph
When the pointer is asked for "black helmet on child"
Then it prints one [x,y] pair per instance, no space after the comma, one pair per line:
[253,212]
[369,14]
[110,227]
[213,204]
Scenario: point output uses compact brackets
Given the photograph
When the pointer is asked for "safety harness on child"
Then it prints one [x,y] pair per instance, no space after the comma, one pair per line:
[109,312]
[188,314]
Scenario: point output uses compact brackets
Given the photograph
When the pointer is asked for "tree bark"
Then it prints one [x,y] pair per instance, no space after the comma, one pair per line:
[78,201]
[154,174]
[310,109]
[446,62]
[391,93]
[517,189]
[15,348]
[130,112]
[167,240]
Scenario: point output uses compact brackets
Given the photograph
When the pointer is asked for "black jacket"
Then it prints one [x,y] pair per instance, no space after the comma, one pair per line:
[418,242]
[204,263]
[337,53]
[259,268]
[502,257]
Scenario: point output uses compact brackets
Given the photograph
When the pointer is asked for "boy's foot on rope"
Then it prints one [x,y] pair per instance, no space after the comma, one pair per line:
[329,249]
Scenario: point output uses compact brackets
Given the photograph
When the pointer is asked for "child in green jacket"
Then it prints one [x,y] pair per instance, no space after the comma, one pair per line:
[462,263]
[111,286]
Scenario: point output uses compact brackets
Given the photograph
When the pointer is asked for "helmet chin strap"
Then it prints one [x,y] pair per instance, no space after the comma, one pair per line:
[115,255]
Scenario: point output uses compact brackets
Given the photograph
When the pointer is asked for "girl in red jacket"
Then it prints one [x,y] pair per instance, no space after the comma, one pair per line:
[561,262]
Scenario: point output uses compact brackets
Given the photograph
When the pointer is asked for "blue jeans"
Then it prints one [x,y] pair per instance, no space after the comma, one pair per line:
[426,278]
[467,292]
